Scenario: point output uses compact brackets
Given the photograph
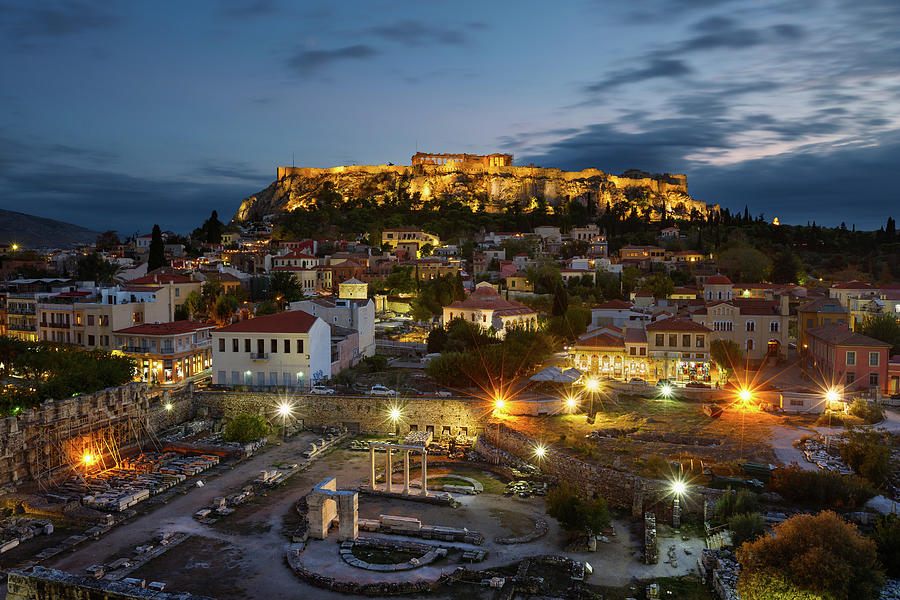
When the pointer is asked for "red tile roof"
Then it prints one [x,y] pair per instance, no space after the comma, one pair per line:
[838,335]
[717,280]
[487,298]
[635,335]
[296,254]
[853,285]
[601,340]
[161,278]
[294,321]
[676,324]
[173,328]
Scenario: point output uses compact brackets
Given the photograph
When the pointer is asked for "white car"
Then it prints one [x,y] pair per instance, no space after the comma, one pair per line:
[380,390]
[443,393]
[321,390]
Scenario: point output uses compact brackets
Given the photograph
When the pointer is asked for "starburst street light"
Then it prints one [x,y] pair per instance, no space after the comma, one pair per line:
[679,488]
[591,384]
[284,410]
[540,451]
[832,395]
[745,395]
[571,403]
[88,459]
[168,406]
[666,391]
[395,414]
[499,404]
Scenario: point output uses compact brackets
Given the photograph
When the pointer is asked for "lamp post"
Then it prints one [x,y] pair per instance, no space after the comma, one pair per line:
[591,384]
[678,490]
[395,414]
[284,409]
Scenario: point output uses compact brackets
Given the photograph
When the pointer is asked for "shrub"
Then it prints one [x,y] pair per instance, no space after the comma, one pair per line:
[887,539]
[867,411]
[575,514]
[810,557]
[868,454]
[245,428]
[733,503]
[823,489]
[746,527]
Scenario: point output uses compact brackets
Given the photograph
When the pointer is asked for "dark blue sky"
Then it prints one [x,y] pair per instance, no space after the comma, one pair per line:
[120,115]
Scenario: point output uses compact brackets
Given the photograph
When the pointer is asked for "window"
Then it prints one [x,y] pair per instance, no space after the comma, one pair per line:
[287,348]
[90,320]
[873,379]
[631,351]
[643,352]
[220,379]
[686,340]
[774,326]
[700,341]
[273,347]
[809,322]
[235,378]
[235,345]
[91,340]
[246,344]
[222,345]
[750,345]
[299,346]
[673,339]
[660,339]
[796,402]
[751,325]
[851,358]
[851,377]
[177,292]
[873,359]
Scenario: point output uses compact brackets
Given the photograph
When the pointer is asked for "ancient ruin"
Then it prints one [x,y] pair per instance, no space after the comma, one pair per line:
[388,450]
[326,503]
[463,160]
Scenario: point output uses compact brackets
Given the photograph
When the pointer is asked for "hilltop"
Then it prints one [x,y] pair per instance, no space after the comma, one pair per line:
[39,232]
[488,189]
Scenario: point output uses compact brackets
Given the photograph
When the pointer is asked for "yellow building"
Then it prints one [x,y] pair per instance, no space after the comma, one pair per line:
[816,313]
[679,350]
[759,327]
[171,288]
[612,352]
[408,238]
[167,353]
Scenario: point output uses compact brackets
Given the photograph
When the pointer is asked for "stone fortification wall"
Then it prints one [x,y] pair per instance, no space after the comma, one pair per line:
[38,443]
[49,584]
[445,416]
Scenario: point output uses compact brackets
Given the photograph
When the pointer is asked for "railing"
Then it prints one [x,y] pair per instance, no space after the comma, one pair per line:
[55,325]
[259,356]
[20,310]
[21,327]
[147,350]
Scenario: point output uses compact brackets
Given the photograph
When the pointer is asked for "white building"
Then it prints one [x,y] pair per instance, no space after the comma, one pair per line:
[617,313]
[285,350]
[486,308]
[356,314]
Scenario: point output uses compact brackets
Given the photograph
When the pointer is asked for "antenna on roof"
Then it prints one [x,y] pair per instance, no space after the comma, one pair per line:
[293,163]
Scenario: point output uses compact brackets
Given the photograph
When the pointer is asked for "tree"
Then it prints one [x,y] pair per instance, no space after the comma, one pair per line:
[726,354]
[629,279]
[437,339]
[426,250]
[93,267]
[193,304]
[212,229]
[157,255]
[245,428]
[225,307]
[744,263]
[108,240]
[266,308]
[658,284]
[887,539]
[882,327]
[284,288]
[733,503]
[810,556]
[786,267]
[746,527]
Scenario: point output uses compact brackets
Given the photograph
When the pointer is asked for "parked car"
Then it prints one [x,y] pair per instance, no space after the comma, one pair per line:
[443,393]
[380,390]
[321,390]
[636,380]
[664,382]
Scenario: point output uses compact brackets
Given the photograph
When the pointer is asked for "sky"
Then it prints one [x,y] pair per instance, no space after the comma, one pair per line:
[119,115]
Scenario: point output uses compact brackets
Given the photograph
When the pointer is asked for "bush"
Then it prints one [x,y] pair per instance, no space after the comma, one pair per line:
[574,514]
[746,527]
[810,557]
[245,428]
[867,411]
[822,489]
[868,454]
[437,339]
[732,503]
[887,539]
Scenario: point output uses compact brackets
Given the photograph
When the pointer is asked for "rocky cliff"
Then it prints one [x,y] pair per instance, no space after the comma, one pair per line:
[492,189]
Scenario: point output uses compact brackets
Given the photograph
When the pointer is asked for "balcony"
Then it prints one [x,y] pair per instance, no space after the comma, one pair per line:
[18,309]
[259,356]
[21,327]
[55,325]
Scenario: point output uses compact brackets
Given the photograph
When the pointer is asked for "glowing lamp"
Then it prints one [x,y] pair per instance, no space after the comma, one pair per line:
[666,390]
[168,406]
[591,384]
[15,246]
[540,451]
[499,404]
[745,395]
[571,403]
[678,487]
[88,459]
[832,395]
[284,409]
[395,414]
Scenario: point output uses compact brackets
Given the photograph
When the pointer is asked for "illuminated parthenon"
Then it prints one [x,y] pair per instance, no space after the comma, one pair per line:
[463,160]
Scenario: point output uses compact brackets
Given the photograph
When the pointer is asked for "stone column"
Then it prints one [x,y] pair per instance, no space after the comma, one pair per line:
[387,472]
[424,472]
[406,471]
[372,464]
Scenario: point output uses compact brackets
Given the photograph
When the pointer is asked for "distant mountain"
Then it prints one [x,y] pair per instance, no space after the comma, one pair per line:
[37,232]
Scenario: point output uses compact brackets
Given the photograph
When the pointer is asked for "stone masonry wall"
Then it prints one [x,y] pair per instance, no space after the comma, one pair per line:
[365,415]
[50,584]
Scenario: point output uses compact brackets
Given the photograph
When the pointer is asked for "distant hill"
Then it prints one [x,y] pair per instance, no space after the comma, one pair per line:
[37,232]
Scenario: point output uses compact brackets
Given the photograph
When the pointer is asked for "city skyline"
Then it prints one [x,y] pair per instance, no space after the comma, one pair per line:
[117,118]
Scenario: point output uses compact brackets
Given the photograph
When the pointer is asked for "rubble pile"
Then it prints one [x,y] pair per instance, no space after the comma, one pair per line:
[822,451]
[525,489]
[651,548]
[719,569]
[426,554]
[15,530]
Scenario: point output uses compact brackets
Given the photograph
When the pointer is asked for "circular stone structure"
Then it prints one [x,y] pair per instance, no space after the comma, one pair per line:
[426,554]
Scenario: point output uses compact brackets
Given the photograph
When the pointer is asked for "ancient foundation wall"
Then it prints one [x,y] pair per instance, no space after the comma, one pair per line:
[40,444]
[445,416]
[50,584]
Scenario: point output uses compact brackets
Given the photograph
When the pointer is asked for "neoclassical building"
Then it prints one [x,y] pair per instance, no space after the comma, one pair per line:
[489,309]
[612,352]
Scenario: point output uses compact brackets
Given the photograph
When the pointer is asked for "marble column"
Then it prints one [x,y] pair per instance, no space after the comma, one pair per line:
[424,473]
[406,471]
[372,464]
[387,472]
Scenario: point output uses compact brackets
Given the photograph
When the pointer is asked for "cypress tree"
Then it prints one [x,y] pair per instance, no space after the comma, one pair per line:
[157,257]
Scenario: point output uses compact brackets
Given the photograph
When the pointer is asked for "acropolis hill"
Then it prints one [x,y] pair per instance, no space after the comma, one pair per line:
[484,182]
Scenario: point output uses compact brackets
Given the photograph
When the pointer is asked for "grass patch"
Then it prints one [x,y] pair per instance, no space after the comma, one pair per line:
[380,556]
[683,588]
[516,523]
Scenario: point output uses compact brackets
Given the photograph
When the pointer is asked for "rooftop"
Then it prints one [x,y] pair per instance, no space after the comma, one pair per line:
[831,305]
[839,335]
[173,328]
[717,280]
[293,321]
[676,324]
[487,298]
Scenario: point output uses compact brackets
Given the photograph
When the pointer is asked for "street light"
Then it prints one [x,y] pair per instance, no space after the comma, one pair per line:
[666,391]
[745,395]
[540,451]
[394,414]
[284,409]
[168,406]
[832,396]
[571,403]
[592,385]
[499,404]
[679,487]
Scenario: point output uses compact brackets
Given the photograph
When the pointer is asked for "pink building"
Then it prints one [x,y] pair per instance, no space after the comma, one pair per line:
[838,356]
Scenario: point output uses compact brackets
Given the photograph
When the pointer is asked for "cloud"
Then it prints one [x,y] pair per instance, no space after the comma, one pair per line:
[57,19]
[654,68]
[308,61]
[411,33]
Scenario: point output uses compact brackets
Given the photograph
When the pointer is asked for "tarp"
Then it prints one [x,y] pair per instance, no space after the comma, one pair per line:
[557,375]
